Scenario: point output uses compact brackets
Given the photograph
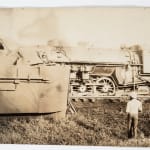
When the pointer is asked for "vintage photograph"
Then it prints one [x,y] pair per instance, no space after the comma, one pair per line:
[75,76]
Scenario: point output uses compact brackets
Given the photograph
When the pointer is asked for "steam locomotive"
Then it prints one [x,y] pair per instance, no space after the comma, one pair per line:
[112,73]
[96,72]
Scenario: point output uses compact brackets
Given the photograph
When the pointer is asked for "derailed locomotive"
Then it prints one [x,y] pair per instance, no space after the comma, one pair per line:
[96,73]
[42,79]
[111,73]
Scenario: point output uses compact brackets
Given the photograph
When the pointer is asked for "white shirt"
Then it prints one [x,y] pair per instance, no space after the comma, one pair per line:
[134,106]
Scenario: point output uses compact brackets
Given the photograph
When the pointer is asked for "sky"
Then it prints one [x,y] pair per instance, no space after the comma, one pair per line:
[96,26]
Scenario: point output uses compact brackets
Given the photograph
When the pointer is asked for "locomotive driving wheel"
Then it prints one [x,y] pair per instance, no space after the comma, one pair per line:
[105,86]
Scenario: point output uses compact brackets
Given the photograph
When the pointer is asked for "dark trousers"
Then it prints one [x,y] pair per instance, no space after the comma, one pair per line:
[132,125]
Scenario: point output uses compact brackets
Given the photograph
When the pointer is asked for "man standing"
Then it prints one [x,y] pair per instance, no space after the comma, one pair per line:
[133,106]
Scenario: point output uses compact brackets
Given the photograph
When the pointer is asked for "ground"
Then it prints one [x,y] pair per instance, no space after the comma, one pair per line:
[101,123]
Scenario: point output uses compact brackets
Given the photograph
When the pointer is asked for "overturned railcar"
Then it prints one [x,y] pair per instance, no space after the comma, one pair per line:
[28,84]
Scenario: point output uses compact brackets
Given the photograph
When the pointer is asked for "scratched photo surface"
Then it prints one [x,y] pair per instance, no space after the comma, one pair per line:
[75,76]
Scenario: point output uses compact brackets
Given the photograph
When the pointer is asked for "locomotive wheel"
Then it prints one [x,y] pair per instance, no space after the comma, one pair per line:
[105,86]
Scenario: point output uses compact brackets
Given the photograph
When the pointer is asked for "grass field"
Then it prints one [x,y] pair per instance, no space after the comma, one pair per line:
[102,123]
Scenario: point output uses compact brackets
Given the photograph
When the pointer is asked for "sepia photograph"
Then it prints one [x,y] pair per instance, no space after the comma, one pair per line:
[75,76]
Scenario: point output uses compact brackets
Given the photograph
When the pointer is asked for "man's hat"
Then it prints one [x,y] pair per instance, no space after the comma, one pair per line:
[133,95]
